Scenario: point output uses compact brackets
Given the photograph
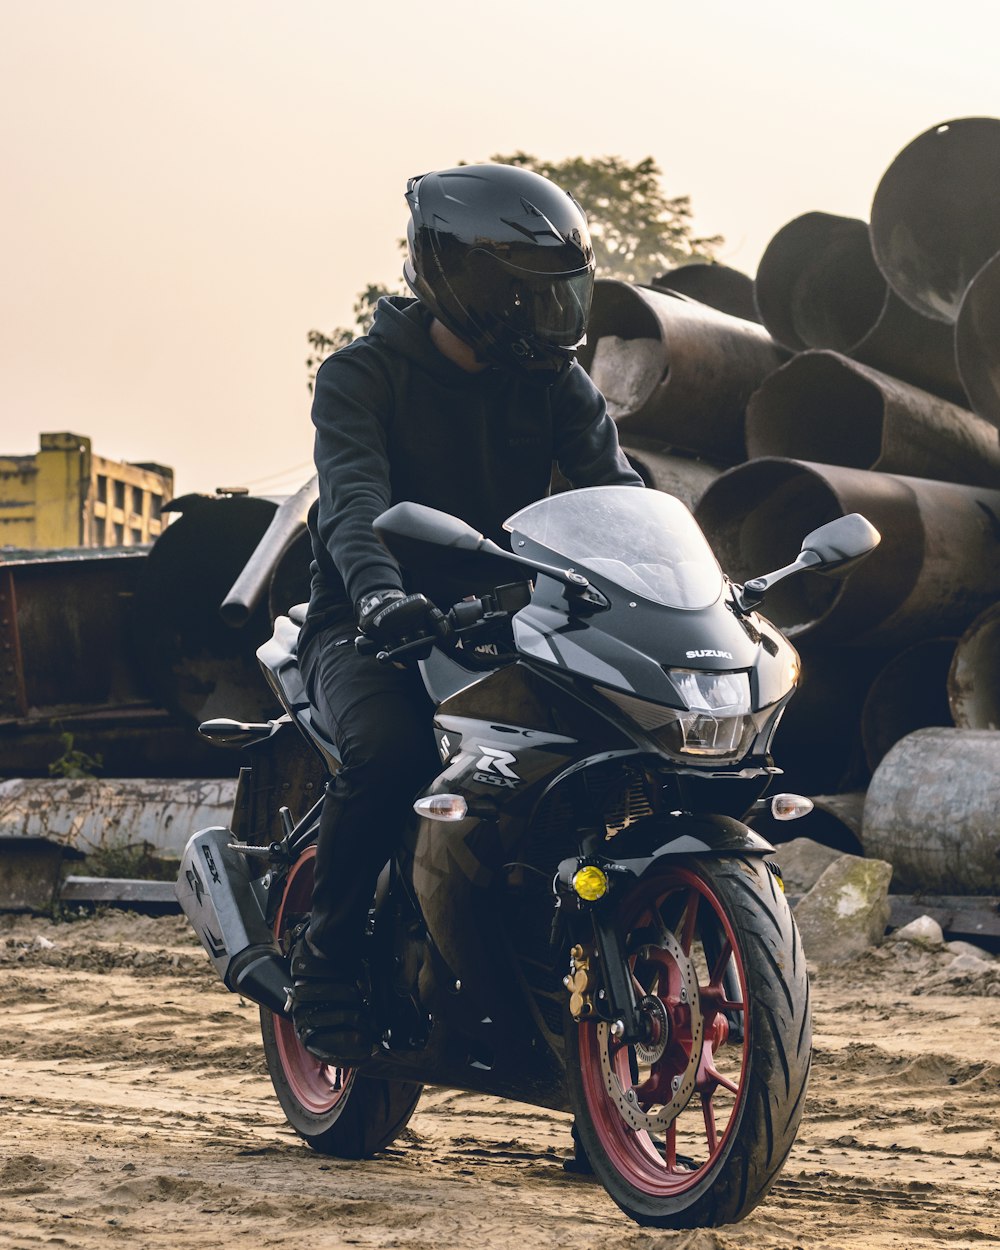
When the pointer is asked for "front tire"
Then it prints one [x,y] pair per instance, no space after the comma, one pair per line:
[337,1111]
[691,1128]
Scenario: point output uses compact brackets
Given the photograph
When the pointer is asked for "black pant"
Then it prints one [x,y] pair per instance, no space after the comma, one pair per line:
[380,719]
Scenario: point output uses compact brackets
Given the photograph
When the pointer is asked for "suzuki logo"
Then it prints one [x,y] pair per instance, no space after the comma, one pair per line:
[714,655]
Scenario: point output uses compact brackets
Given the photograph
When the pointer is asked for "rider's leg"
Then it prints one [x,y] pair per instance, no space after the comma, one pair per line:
[380,719]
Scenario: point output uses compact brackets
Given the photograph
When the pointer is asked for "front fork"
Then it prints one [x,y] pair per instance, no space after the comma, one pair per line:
[599,980]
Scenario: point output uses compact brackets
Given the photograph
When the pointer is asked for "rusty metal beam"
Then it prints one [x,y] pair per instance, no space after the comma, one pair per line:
[823,407]
[286,525]
[193,663]
[65,630]
[87,815]
[29,874]
[13,696]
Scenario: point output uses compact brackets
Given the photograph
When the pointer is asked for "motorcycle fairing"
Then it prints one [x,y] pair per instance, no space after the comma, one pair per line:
[613,647]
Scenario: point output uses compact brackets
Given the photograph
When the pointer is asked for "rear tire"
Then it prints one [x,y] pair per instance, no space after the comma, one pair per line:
[337,1111]
[691,1129]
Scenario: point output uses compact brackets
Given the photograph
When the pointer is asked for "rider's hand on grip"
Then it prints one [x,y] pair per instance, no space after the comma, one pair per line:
[405,626]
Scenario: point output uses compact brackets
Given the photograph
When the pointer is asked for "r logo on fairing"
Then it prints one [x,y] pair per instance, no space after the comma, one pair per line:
[494,768]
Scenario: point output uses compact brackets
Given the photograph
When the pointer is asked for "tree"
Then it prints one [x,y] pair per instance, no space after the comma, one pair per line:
[638,231]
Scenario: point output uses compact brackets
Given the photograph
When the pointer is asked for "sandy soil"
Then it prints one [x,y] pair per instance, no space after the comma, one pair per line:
[136,1111]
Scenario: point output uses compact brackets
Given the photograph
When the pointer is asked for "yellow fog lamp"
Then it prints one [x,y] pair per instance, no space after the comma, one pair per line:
[590,883]
[790,806]
[442,807]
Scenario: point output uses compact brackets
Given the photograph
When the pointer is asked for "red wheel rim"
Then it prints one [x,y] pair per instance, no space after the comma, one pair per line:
[317,1085]
[681,1157]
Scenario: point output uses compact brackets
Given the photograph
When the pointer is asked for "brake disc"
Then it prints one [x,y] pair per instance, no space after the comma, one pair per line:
[682,1085]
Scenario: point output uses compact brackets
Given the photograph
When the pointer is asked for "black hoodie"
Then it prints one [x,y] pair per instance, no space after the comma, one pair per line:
[396,420]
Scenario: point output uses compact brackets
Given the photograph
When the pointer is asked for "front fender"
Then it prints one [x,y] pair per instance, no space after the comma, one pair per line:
[635,850]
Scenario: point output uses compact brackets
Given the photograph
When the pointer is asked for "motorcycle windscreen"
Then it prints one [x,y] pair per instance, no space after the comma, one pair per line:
[643,540]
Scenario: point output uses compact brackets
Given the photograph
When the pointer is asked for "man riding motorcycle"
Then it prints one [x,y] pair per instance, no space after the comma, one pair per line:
[462,398]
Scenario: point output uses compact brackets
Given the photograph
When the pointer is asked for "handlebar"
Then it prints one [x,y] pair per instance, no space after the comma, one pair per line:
[469,618]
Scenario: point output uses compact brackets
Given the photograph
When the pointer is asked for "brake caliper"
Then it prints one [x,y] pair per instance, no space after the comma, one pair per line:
[580,982]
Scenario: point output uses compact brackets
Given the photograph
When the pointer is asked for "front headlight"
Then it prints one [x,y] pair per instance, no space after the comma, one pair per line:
[718,725]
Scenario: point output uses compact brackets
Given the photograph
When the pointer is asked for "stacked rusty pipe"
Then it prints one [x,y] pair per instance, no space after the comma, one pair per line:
[675,371]
[935,233]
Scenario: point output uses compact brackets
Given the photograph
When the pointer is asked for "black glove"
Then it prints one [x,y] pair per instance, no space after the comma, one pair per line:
[392,617]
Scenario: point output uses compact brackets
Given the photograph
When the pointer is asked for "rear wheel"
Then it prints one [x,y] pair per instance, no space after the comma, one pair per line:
[336,1110]
[691,1127]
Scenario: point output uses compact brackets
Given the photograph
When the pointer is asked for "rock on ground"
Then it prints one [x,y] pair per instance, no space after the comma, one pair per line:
[846,911]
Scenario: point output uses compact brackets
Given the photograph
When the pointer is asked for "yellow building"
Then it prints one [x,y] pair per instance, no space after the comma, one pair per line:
[65,496]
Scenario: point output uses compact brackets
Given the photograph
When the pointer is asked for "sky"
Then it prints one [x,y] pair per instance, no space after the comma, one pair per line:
[189,186]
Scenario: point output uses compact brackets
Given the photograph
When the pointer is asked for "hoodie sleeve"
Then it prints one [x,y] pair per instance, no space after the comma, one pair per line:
[586,438]
[352,407]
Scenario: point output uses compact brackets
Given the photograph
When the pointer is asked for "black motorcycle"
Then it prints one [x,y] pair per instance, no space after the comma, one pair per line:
[577,917]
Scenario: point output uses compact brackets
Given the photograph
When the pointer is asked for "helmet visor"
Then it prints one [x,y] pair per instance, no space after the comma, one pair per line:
[549,307]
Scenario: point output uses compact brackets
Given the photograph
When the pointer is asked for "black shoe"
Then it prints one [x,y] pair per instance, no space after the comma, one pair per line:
[330,1009]
[578,1163]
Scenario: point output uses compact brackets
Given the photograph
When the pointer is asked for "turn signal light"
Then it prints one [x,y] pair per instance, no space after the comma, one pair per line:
[790,806]
[442,807]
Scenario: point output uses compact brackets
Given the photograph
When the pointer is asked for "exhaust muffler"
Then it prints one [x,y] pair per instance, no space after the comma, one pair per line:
[227,911]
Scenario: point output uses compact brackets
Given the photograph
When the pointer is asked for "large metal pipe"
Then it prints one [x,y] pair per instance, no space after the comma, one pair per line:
[974,676]
[818,286]
[821,406]
[910,693]
[286,525]
[193,663]
[931,811]
[937,567]
[681,476]
[818,742]
[936,214]
[718,286]
[676,371]
[977,341]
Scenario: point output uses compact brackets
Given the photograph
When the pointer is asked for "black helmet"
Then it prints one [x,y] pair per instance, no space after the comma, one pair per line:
[503,258]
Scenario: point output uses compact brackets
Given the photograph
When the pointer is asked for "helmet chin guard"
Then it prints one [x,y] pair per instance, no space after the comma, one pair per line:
[503,258]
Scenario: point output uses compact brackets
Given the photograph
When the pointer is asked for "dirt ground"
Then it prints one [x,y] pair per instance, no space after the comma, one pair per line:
[136,1111]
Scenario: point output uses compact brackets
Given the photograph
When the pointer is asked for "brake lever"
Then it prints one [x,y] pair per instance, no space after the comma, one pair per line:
[393,655]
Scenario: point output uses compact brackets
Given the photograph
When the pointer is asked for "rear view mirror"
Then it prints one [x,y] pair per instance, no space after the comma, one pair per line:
[840,542]
[836,546]
[406,523]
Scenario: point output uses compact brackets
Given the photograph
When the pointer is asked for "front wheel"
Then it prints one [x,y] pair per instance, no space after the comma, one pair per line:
[691,1127]
[337,1111]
